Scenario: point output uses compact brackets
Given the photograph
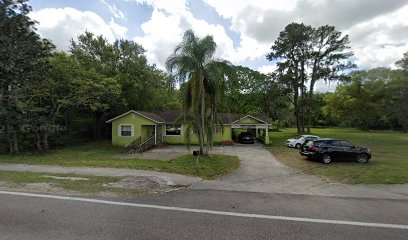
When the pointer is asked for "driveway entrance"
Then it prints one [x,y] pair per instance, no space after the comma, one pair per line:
[261,172]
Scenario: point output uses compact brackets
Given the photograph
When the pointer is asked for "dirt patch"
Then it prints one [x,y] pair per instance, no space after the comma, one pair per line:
[41,186]
[144,183]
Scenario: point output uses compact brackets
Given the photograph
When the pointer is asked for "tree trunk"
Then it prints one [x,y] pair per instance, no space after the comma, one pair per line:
[10,143]
[45,140]
[303,93]
[310,97]
[98,125]
[13,139]
[13,142]
[204,152]
[309,106]
[295,103]
[38,141]
[302,110]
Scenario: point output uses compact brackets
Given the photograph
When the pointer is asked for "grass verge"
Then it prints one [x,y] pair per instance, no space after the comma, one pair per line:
[102,154]
[389,163]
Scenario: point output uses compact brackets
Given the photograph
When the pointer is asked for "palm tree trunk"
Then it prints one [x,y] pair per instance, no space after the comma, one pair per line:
[202,140]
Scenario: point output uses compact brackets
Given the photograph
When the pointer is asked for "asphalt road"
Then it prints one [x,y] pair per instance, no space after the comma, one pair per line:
[202,214]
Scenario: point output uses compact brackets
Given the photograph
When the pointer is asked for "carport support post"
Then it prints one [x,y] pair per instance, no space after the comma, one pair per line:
[155,134]
[266,135]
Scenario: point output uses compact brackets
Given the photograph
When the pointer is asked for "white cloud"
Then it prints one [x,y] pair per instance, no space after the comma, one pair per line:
[62,24]
[113,9]
[167,25]
[381,41]
[229,8]
[119,30]
[265,69]
[378,30]
[373,56]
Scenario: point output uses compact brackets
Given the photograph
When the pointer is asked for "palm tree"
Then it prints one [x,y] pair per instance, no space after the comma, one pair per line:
[193,62]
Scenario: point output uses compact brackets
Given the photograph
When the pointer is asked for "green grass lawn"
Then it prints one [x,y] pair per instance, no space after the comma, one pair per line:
[102,154]
[389,163]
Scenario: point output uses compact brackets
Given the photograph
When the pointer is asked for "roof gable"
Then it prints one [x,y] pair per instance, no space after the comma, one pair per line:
[151,116]
[249,119]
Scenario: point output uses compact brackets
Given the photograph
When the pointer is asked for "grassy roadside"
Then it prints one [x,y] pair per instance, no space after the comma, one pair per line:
[45,182]
[389,164]
[102,154]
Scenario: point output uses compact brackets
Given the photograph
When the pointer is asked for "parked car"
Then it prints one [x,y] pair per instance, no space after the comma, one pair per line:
[298,141]
[327,150]
[309,143]
[246,137]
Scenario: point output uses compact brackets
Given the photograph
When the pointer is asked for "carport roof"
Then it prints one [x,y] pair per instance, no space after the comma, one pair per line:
[230,118]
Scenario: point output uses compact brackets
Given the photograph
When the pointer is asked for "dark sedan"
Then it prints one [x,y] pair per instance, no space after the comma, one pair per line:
[246,137]
[327,150]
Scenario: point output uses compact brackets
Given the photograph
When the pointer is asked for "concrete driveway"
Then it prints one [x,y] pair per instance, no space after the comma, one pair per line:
[261,172]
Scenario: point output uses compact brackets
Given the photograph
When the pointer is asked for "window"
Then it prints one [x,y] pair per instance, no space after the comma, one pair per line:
[337,144]
[347,144]
[126,130]
[173,129]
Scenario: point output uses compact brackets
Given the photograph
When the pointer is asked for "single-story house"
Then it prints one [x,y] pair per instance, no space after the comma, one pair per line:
[165,126]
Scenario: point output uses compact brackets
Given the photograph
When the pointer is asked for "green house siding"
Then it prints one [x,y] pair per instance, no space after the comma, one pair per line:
[222,136]
[142,127]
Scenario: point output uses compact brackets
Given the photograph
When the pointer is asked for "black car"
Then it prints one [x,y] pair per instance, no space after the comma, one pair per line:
[329,149]
[246,137]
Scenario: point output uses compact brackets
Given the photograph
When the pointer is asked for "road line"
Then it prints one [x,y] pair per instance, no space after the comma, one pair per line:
[213,212]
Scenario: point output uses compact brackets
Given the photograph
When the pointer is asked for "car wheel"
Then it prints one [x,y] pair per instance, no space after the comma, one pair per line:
[326,159]
[362,158]
[297,145]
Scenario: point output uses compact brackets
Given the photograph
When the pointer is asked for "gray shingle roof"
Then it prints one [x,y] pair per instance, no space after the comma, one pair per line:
[171,116]
[152,116]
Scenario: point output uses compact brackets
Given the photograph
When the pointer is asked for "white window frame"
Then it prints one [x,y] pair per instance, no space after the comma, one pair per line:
[132,130]
[181,131]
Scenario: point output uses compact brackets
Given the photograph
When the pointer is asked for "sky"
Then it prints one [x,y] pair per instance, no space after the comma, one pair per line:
[244,30]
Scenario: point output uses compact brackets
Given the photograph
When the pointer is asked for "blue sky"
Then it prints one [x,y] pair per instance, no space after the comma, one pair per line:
[243,29]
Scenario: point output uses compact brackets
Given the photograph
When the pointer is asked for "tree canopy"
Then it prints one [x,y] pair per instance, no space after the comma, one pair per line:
[305,55]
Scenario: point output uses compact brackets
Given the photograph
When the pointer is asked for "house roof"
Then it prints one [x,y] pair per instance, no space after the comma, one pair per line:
[150,116]
[171,116]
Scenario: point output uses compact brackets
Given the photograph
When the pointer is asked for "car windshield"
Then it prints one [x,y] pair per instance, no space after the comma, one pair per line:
[246,134]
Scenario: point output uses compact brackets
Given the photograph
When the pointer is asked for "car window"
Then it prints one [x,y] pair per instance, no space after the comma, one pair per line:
[336,144]
[318,144]
[346,144]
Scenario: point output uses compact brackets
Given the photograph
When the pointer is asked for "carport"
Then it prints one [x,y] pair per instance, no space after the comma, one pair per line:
[257,124]
[260,131]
